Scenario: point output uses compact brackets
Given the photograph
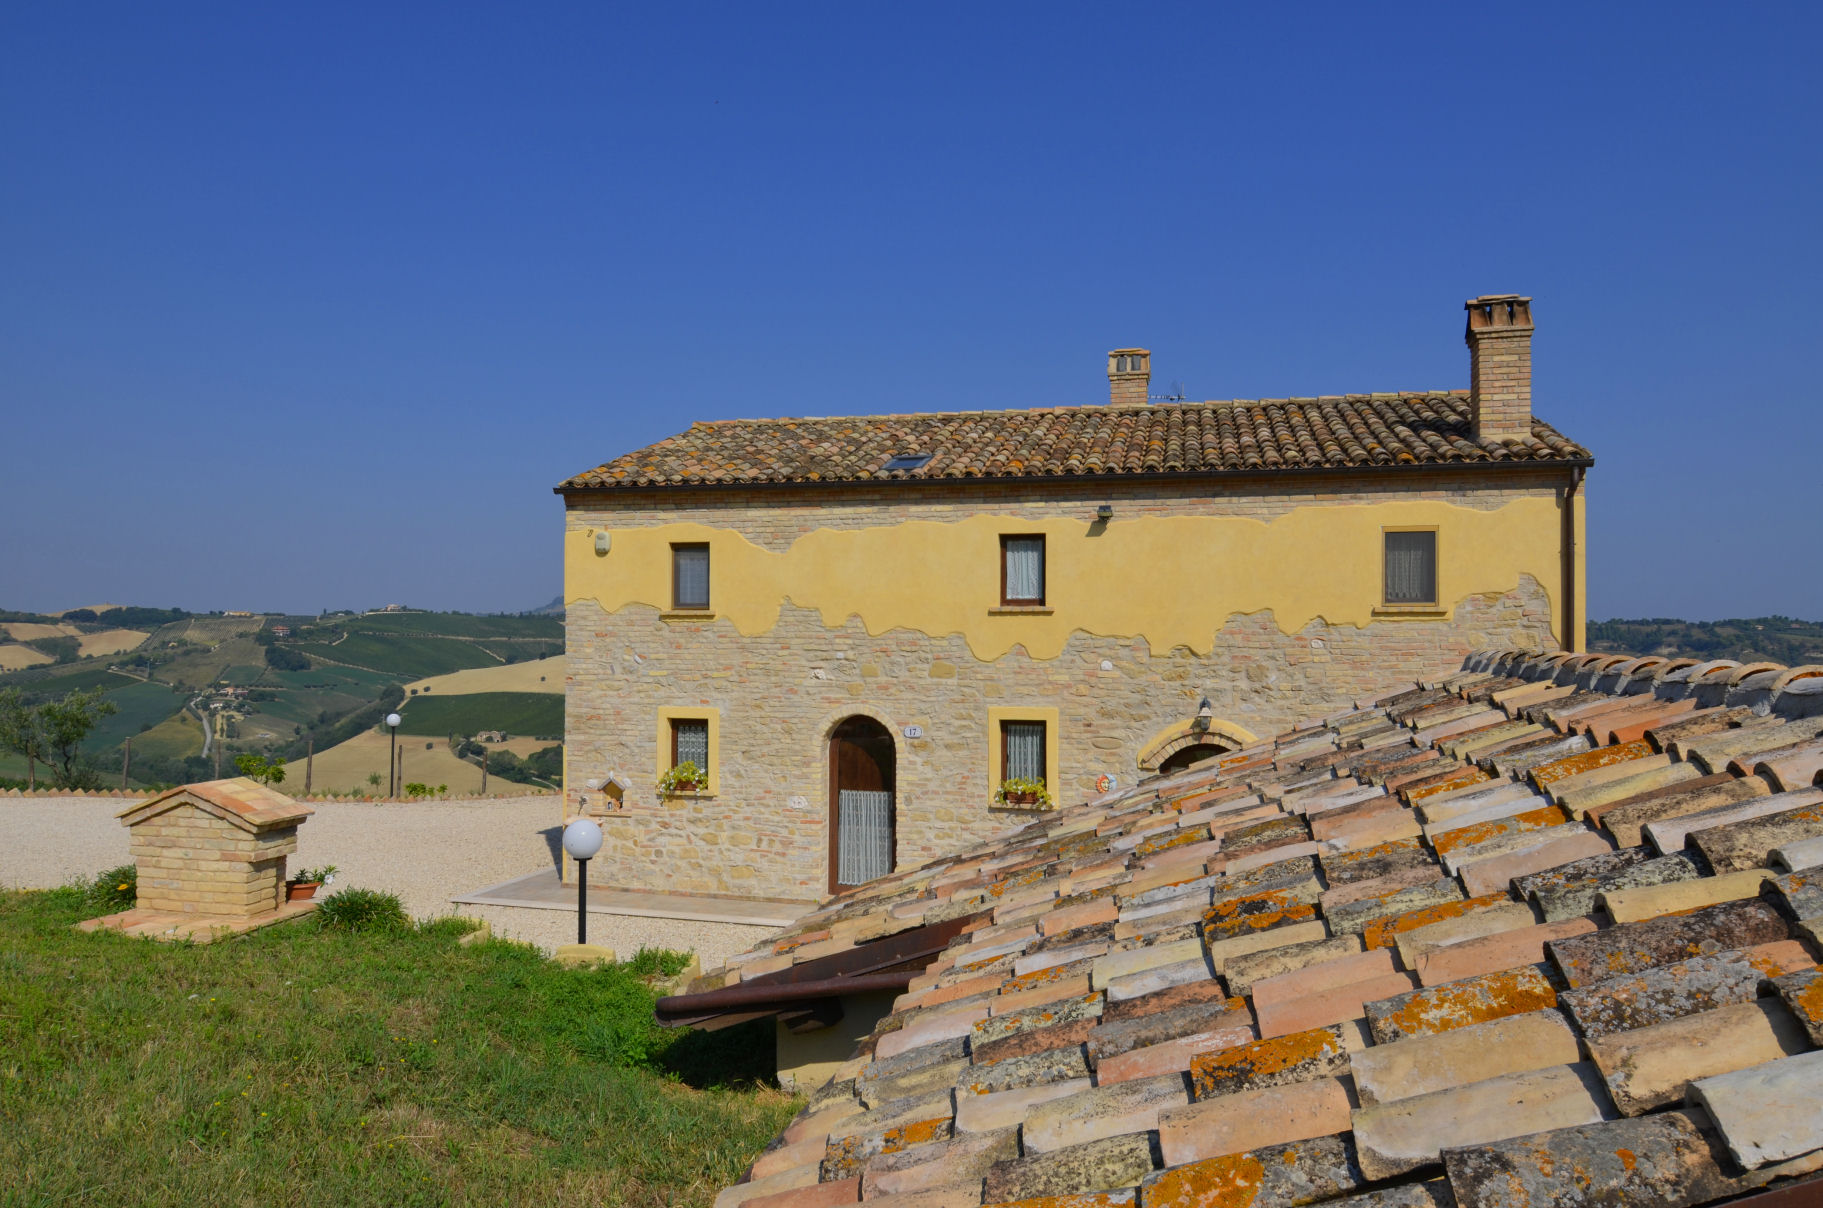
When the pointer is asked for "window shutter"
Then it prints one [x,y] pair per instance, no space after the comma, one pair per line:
[1025,568]
[1411,568]
[1024,750]
[691,565]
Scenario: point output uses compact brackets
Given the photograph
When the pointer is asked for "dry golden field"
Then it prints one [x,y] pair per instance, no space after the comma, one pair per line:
[537,675]
[15,658]
[111,641]
[346,767]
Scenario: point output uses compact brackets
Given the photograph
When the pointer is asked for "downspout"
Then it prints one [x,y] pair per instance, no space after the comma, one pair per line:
[1568,545]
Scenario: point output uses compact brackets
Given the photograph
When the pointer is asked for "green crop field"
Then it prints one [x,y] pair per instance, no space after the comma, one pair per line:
[57,685]
[139,705]
[535,714]
[456,625]
[403,657]
[522,650]
[174,738]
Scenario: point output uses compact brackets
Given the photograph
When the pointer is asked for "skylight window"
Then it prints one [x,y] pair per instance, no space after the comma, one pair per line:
[908,461]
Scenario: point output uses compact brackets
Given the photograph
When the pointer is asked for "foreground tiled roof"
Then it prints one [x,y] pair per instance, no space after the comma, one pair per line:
[1541,934]
[1358,430]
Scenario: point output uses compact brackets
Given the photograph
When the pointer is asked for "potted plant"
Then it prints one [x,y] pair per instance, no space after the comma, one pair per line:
[686,777]
[1019,791]
[307,882]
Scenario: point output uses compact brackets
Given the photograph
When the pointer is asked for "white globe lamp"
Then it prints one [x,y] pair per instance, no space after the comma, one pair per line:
[582,839]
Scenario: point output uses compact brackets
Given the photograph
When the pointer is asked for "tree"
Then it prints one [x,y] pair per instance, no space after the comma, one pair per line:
[22,733]
[66,724]
[258,767]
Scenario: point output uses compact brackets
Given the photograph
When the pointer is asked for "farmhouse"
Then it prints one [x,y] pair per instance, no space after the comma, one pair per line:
[879,638]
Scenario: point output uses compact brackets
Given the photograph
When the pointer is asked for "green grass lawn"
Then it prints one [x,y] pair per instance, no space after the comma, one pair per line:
[294,1066]
[532,714]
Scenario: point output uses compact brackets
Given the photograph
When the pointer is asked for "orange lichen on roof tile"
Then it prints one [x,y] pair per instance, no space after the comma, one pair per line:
[1461,780]
[1473,1000]
[1468,836]
[1602,757]
[1016,881]
[1039,977]
[1248,923]
[1099,1199]
[1233,1181]
[1178,838]
[1266,1061]
[1385,933]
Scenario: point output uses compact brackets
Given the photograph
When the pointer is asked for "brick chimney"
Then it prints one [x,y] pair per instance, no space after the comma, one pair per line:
[1499,337]
[1129,376]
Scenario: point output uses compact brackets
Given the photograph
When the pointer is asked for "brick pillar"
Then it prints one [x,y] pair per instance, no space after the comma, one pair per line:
[1499,336]
[1129,377]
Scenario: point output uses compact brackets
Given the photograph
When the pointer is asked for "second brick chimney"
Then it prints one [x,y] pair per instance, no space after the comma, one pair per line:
[1499,337]
[1129,377]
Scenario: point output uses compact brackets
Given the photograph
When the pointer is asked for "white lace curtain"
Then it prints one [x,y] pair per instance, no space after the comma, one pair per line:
[1024,750]
[692,577]
[1025,568]
[1411,568]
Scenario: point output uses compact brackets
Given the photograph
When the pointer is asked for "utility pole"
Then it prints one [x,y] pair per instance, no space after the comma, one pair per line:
[126,763]
[309,761]
[218,746]
[484,771]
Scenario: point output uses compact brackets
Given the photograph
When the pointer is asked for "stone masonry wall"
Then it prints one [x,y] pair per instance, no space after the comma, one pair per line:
[780,693]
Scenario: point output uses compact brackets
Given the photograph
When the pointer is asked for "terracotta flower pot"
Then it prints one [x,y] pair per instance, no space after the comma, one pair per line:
[1022,798]
[298,891]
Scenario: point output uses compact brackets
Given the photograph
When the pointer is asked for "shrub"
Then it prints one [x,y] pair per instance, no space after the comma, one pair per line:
[362,910]
[116,889]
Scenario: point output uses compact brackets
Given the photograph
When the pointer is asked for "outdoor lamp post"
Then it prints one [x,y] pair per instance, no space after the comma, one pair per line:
[392,755]
[582,839]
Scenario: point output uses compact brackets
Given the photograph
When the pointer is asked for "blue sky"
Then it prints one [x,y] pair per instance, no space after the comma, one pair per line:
[310,306]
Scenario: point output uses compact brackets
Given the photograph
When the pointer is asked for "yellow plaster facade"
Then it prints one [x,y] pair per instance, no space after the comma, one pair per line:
[942,578]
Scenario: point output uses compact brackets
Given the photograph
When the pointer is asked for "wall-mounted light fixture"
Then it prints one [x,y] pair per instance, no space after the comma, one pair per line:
[602,541]
[1205,713]
[1105,512]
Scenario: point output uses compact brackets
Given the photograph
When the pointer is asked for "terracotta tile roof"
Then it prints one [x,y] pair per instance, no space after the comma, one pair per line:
[1539,966]
[248,803]
[1357,430]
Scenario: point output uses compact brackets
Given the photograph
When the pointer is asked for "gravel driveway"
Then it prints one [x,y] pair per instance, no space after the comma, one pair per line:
[426,852]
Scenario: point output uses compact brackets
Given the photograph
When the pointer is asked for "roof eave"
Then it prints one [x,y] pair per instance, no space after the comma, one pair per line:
[567,489]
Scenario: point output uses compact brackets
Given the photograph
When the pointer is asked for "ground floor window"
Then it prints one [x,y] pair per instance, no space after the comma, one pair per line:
[1022,750]
[690,743]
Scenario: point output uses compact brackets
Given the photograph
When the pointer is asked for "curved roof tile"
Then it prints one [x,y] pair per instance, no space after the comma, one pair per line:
[1278,434]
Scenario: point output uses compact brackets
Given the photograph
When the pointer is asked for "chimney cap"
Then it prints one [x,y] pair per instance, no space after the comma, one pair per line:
[1511,312]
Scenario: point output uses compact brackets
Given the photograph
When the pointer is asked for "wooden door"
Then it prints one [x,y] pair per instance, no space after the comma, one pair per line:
[861,767]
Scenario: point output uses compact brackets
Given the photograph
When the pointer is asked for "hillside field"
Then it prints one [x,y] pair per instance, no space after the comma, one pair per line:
[538,675]
[402,657]
[345,768]
[538,714]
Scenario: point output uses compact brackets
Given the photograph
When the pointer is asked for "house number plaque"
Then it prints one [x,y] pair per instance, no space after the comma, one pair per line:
[914,731]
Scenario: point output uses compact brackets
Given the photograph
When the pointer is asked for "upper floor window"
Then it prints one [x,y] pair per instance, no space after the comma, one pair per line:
[1411,566]
[690,576]
[1022,570]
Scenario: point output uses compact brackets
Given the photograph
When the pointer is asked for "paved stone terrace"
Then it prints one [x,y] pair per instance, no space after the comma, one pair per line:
[1543,933]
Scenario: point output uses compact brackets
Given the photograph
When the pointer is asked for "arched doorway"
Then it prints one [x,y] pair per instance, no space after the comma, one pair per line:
[861,805]
[1189,755]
